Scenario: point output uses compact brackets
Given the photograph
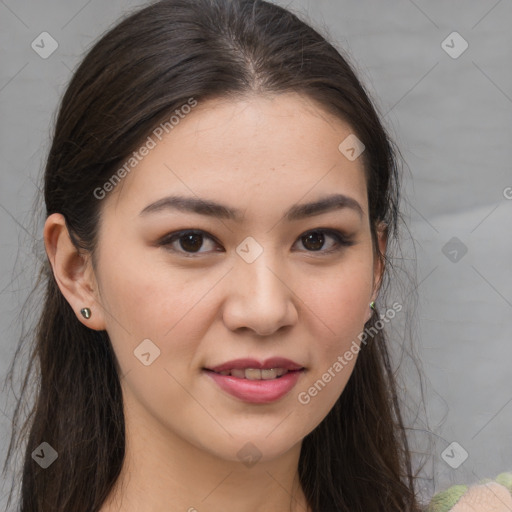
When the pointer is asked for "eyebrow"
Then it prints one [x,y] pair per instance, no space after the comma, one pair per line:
[220,211]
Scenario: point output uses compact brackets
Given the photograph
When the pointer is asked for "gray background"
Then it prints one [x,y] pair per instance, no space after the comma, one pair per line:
[452,120]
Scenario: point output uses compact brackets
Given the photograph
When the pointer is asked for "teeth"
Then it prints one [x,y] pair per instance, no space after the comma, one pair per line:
[255,373]
[271,373]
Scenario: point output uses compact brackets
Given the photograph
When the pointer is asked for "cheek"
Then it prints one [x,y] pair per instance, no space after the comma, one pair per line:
[337,307]
[152,301]
[339,298]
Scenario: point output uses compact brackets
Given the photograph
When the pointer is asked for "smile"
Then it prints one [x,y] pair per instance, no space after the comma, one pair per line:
[254,385]
[255,373]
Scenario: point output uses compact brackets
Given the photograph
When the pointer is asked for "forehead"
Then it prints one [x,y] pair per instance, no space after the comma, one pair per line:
[260,152]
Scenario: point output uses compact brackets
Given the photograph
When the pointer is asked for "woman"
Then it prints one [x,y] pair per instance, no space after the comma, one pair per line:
[220,201]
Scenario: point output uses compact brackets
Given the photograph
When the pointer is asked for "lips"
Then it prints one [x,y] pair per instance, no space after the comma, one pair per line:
[279,363]
[255,381]
[256,373]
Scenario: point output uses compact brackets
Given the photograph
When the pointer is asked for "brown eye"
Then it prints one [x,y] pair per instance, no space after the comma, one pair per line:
[315,240]
[190,242]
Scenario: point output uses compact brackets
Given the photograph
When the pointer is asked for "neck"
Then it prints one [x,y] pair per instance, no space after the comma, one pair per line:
[163,473]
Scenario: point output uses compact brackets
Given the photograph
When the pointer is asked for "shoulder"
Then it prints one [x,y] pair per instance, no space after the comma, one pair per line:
[484,496]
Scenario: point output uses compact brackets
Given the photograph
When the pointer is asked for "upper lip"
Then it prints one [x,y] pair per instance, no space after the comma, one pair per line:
[242,364]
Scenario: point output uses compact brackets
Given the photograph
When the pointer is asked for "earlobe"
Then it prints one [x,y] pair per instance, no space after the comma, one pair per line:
[73,272]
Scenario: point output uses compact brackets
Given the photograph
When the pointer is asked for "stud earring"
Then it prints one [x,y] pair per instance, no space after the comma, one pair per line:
[372,305]
[86,313]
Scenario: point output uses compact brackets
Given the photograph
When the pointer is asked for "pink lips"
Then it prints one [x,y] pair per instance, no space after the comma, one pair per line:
[257,391]
[273,362]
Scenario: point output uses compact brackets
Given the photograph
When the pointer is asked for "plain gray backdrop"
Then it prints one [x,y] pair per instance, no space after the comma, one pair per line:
[448,108]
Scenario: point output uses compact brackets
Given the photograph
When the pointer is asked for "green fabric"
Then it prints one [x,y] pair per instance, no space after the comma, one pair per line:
[505,479]
[446,500]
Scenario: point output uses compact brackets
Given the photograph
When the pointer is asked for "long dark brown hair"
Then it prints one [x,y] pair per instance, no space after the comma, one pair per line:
[133,78]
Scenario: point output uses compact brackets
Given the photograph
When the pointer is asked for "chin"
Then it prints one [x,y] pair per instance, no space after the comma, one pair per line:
[250,449]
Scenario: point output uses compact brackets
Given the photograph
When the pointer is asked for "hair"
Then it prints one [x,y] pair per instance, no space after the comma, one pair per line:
[149,64]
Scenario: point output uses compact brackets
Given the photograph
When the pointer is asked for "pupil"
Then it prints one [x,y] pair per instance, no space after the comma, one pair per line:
[317,240]
[191,242]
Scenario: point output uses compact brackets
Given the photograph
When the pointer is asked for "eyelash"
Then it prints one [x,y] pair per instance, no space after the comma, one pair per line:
[342,241]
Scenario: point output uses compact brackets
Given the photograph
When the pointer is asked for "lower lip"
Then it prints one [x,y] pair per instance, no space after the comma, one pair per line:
[257,391]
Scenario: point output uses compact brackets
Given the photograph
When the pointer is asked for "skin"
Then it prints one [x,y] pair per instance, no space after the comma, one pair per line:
[261,155]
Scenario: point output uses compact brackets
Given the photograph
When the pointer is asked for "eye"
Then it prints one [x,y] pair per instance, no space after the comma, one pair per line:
[190,241]
[314,240]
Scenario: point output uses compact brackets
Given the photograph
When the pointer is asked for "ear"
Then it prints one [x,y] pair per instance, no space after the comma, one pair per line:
[379,263]
[73,272]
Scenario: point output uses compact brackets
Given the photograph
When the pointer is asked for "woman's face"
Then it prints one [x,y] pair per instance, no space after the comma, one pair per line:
[272,280]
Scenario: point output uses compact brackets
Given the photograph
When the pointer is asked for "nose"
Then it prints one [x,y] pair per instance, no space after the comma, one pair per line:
[260,297]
